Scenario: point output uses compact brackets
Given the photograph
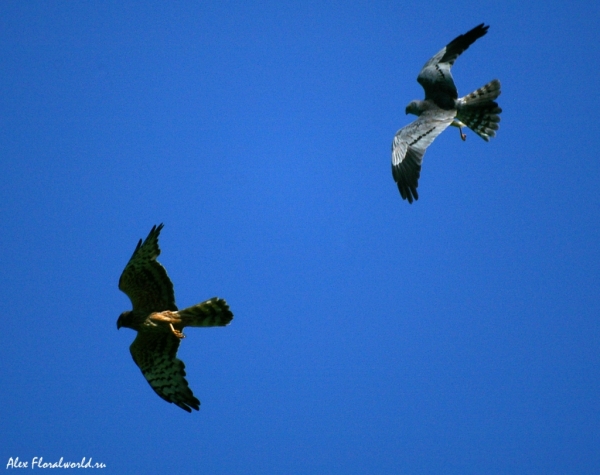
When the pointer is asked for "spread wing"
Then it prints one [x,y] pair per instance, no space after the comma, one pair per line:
[435,76]
[156,355]
[145,280]
[409,146]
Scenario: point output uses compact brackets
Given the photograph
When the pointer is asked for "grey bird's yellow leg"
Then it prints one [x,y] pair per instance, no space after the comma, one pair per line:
[460,125]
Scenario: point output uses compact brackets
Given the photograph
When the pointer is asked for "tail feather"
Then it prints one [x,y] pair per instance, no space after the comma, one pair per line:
[211,313]
[479,111]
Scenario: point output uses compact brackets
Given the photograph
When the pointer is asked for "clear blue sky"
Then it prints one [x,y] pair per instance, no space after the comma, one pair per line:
[457,335]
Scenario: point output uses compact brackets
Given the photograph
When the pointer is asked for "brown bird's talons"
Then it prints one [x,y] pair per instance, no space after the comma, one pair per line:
[462,136]
[177,333]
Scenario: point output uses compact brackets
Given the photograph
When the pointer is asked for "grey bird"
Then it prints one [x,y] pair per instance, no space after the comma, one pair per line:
[441,108]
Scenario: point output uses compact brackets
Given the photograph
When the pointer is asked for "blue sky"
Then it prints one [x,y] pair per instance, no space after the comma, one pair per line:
[459,334]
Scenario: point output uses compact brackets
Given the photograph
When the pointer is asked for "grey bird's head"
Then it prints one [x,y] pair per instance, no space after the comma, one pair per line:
[414,107]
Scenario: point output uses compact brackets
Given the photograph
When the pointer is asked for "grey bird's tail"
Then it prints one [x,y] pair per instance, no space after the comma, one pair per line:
[479,110]
[211,313]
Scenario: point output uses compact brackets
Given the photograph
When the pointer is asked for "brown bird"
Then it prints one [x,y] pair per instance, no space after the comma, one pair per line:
[159,324]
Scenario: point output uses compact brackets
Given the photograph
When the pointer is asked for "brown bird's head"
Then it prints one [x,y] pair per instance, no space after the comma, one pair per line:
[124,319]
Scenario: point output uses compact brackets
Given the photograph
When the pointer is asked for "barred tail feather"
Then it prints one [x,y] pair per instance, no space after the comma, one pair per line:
[483,95]
[211,313]
[479,111]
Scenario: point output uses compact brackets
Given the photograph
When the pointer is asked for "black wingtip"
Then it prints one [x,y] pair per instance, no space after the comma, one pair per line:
[156,229]
[459,44]
[406,175]
[477,32]
[188,405]
[154,232]
[408,194]
[139,244]
[186,408]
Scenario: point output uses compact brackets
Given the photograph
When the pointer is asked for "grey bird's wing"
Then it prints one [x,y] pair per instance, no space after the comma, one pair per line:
[409,145]
[435,77]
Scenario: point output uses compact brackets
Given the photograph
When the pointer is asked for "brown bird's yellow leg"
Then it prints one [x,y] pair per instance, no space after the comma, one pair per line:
[177,333]
[168,317]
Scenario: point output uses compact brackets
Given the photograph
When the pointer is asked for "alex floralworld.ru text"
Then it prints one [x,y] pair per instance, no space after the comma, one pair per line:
[38,462]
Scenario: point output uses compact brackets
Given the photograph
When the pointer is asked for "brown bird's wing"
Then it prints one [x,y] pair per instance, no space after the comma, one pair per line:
[156,355]
[145,280]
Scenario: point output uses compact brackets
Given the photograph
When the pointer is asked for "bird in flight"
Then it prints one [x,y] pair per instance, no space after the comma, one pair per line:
[441,108]
[159,324]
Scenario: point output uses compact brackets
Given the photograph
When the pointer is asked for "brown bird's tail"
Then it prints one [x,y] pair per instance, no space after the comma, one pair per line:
[211,313]
[479,111]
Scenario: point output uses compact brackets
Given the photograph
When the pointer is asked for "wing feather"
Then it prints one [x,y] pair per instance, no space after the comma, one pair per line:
[409,146]
[435,77]
[145,280]
[155,353]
